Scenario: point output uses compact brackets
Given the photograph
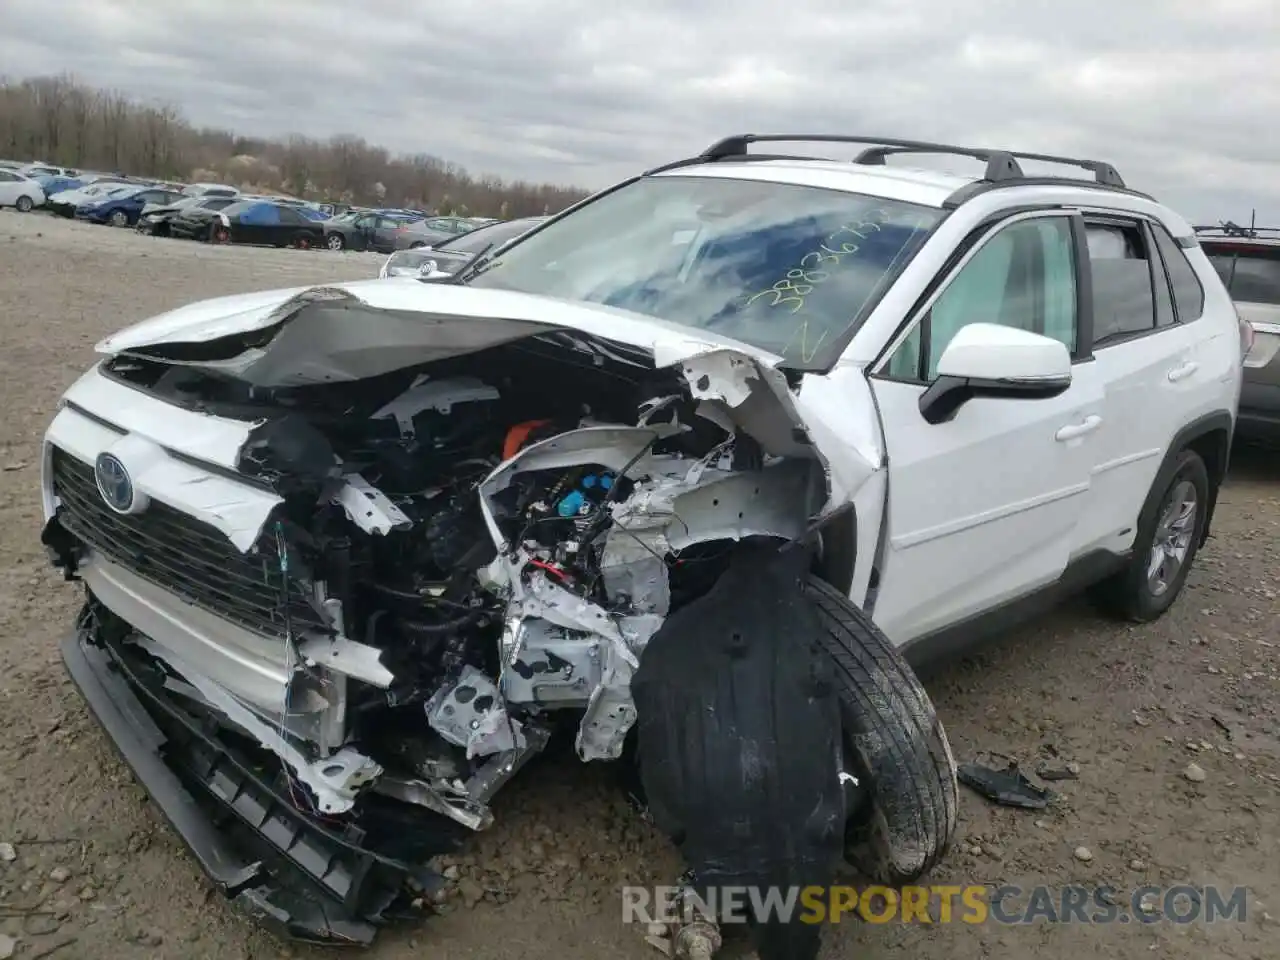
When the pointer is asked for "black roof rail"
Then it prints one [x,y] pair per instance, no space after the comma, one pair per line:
[979,187]
[1001,164]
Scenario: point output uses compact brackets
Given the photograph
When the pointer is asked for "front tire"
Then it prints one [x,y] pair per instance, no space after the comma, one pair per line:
[119,219]
[898,749]
[334,241]
[1170,529]
[25,204]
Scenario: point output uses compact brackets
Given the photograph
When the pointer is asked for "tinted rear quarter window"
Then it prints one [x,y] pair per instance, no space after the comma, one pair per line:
[1188,294]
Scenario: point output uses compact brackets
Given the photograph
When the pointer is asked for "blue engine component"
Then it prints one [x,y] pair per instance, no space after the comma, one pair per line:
[571,504]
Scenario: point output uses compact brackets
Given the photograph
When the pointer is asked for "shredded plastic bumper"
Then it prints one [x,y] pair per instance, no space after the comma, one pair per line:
[299,878]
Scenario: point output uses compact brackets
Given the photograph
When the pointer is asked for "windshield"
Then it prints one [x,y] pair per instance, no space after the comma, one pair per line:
[787,268]
[1251,273]
[476,240]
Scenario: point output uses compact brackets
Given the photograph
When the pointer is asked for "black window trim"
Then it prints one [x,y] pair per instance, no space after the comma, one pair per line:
[1204,294]
[960,257]
[1153,243]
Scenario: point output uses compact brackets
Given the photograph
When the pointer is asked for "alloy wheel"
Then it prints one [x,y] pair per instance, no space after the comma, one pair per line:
[1173,535]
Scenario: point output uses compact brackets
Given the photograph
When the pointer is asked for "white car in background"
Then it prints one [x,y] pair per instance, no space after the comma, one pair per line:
[698,465]
[446,257]
[20,191]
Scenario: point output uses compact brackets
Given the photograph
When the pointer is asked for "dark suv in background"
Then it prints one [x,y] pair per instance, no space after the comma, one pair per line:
[1248,260]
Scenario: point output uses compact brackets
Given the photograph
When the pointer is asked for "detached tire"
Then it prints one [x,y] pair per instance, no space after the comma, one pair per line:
[897,747]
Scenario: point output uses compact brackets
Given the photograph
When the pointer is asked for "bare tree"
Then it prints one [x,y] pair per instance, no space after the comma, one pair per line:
[64,121]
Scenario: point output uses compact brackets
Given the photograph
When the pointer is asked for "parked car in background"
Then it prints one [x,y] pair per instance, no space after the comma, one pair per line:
[447,257]
[210,189]
[1248,260]
[54,184]
[449,224]
[250,221]
[366,231]
[45,170]
[11,164]
[19,191]
[155,220]
[432,230]
[123,208]
[66,202]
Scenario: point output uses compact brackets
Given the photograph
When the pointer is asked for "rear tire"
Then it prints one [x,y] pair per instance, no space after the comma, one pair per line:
[1170,528]
[303,242]
[899,749]
[119,219]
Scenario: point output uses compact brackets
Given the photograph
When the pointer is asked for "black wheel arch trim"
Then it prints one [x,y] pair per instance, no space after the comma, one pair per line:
[1218,421]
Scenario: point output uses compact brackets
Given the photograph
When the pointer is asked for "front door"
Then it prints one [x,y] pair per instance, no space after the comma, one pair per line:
[983,509]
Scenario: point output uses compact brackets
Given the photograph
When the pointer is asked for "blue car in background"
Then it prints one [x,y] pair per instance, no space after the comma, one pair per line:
[122,208]
[55,184]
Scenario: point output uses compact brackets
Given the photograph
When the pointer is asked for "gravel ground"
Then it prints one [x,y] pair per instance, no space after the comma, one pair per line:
[96,872]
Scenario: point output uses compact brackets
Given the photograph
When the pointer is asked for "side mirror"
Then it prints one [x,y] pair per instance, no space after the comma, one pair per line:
[989,360]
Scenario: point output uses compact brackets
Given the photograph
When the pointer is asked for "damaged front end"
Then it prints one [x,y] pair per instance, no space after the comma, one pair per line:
[363,575]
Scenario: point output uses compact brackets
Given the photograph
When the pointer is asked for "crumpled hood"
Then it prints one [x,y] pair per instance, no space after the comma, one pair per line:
[351,331]
[433,307]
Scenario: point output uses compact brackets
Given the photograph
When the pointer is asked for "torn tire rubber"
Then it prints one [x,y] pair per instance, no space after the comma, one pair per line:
[1130,593]
[739,739]
[897,746]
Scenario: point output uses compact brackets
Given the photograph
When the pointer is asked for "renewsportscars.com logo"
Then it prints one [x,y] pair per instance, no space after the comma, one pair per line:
[971,904]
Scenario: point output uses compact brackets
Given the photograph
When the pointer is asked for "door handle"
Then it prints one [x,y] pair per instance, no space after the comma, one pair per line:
[1183,371]
[1073,430]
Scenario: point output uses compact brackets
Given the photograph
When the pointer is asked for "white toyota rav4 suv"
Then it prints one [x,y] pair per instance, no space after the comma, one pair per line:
[690,471]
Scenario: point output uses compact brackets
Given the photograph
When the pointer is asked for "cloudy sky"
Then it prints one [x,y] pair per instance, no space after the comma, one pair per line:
[1181,95]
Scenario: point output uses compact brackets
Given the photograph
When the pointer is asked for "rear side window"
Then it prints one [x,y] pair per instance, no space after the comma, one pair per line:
[260,215]
[1124,302]
[1251,273]
[1188,294]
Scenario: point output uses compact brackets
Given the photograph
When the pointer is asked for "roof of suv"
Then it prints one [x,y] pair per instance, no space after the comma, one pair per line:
[912,185]
[868,173]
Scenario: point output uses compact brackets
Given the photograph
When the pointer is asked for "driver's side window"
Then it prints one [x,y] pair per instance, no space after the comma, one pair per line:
[1023,276]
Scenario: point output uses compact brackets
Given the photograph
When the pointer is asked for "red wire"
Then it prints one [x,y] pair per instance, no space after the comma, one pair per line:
[550,568]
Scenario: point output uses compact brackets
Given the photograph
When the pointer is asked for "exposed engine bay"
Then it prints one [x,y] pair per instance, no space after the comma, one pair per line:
[481,547]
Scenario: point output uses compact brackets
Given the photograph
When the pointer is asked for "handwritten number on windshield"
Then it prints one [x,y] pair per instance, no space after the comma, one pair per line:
[801,281]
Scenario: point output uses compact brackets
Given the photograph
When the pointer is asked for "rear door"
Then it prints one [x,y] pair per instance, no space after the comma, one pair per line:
[385,234]
[983,509]
[1146,344]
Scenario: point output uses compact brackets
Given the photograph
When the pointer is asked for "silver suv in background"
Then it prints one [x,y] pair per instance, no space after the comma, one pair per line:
[1248,260]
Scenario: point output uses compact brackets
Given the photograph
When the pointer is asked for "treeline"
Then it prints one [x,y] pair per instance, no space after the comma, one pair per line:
[58,120]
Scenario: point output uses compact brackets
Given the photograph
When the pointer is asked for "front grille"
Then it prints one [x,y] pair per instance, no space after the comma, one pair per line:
[187,557]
